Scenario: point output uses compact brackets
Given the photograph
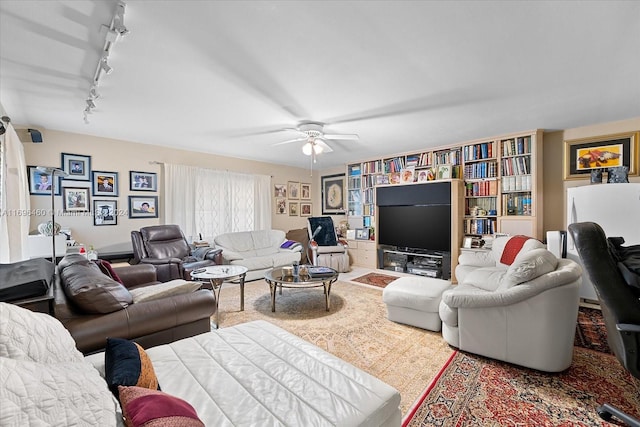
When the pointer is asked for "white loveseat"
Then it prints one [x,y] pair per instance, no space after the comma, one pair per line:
[523,312]
[259,251]
[252,374]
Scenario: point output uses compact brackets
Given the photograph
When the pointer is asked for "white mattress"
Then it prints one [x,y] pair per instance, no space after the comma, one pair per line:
[257,374]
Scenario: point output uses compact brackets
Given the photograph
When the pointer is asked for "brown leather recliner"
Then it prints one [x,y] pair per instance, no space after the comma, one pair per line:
[165,247]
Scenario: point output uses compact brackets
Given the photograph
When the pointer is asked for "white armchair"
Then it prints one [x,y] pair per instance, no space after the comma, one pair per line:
[326,249]
[523,312]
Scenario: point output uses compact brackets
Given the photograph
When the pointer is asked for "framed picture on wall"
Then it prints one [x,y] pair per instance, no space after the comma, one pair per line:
[293,208]
[305,209]
[293,189]
[105,183]
[143,181]
[77,166]
[105,212]
[305,191]
[281,206]
[143,206]
[75,199]
[279,190]
[40,182]
[333,194]
[581,156]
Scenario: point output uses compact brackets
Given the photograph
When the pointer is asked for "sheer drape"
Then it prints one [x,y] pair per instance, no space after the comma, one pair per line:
[14,199]
[211,202]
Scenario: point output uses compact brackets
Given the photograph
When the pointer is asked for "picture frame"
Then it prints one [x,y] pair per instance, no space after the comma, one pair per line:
[143,181]
[445,171]
[39,184]
[105,212]
[467,242]
[105,183]
[305,191]
[77,166]
[76,199]
[143,206]
[333,194]
[293,208]
[362,234]
[279,190]
[581,156]
[281,206]
[306,209]
[293,190]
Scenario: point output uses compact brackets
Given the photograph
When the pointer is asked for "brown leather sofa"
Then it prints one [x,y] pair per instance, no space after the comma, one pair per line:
[94,306]
[165,247]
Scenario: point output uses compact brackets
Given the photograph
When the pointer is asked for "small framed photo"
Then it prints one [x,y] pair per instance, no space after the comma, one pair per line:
[305,191]
[305,209]
[143,206]
[143,181]
[75,199]
[105,212]
[362,234]
[279,190]
[293,208]
[77,166]
[467,242]
[445,171]
[281,206]
[293,189]
[40,182]
[105,183]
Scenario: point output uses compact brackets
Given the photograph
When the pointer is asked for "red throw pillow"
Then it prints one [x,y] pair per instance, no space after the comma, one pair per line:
[106,268]
[151,408]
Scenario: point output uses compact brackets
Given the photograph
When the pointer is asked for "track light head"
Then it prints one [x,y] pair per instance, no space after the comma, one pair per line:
[93,93]
[105,67]
[90,103]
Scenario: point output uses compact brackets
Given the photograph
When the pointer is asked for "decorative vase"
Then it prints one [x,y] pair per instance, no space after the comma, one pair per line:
[49,228]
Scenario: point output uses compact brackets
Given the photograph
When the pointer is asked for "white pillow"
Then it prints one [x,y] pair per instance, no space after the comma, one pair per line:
[487,278]
[529,265]
[163,290]
[68,393]
[38,337]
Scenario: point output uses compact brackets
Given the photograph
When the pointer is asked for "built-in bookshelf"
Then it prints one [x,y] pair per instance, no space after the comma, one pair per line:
[502,181]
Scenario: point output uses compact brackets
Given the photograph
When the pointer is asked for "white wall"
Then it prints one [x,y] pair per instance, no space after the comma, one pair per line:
[121,156]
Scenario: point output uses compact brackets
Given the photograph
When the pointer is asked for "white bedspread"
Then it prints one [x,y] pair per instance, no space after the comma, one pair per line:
[257,374]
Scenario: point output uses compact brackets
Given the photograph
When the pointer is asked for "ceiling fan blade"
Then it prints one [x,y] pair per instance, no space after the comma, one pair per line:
[290,141]
[325,147]
[345,136]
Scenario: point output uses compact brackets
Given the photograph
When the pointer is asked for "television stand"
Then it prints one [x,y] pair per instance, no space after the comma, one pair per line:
[419,262]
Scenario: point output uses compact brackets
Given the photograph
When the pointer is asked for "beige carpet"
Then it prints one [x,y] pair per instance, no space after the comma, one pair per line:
[356,330]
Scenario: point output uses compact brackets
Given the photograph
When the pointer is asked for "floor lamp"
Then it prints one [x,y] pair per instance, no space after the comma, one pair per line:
[52,172]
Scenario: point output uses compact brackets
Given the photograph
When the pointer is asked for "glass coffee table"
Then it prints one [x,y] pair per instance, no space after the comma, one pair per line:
[216,275]
[277,278]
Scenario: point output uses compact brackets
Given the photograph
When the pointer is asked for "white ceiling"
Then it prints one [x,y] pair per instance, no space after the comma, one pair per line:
[210,75]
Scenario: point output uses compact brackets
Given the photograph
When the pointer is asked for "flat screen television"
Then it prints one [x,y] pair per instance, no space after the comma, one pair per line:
[425,227]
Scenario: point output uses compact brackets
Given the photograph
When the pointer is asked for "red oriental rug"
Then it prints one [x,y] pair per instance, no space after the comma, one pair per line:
[375,279]
[472,390]
[591,331]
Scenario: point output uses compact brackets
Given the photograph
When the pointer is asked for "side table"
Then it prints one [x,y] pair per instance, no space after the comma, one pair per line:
[40,304]
[216,275]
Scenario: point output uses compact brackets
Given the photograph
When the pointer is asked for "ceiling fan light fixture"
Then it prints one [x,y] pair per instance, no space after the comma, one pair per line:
[308,148]
[317,148]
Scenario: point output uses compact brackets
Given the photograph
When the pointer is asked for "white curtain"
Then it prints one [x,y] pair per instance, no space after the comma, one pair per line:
[208,202]
[14,199]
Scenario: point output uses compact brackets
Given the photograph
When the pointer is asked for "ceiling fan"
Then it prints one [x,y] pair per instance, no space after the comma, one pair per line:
[312,133]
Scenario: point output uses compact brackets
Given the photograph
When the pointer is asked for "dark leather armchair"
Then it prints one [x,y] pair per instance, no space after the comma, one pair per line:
[612,268]
[165,247]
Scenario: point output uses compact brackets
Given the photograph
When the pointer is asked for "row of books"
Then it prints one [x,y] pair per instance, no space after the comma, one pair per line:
[514,147]
[393,165]
[516,183]
[486,203]
[482,188]
[516,166]
[484,150]
[353,182]
[369,209]
[481,170]
[513,204]
[480,226]
[373,166]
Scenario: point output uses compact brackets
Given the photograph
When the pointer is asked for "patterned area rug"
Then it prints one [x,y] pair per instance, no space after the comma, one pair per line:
[590,331]
[375,279]
[472,391]
[356,330]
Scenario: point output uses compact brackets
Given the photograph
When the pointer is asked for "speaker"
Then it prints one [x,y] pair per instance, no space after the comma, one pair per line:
[36,136]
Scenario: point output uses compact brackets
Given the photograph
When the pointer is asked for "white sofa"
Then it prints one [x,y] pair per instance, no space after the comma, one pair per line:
[259,251]
[523,312]
[252,374]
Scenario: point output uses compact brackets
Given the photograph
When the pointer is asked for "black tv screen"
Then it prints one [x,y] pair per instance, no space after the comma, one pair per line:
[415,227]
